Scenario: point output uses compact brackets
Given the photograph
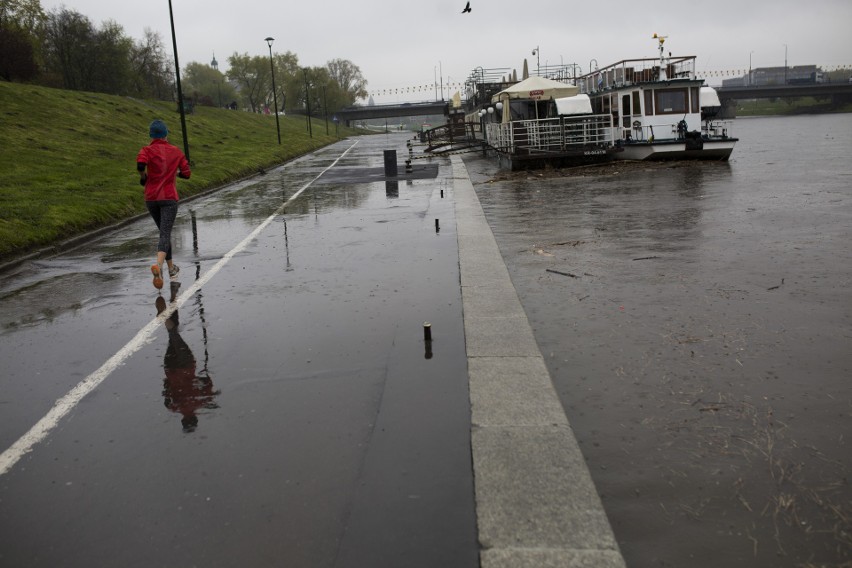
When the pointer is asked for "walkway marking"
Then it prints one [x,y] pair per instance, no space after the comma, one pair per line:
[66,404]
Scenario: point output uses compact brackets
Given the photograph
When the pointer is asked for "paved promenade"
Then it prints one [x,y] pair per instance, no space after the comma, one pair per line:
[536,504]
[323,435]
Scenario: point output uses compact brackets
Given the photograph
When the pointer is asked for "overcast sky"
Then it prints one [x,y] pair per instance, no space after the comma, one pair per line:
[405,43]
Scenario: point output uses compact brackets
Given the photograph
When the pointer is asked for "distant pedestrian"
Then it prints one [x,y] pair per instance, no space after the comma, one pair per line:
[158,163]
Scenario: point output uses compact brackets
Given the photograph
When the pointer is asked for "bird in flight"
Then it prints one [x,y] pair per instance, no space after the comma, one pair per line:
[466,8]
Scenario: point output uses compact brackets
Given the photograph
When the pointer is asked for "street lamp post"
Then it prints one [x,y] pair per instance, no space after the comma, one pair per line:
[785,63]
[308,101]
[269,41]
[537,54]
[441,69]
[177,81]
[749,67]
[325,104]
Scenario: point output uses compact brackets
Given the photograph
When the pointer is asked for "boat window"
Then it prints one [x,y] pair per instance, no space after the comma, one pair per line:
[649,103]
[670,101]
[693,93]
[637,106]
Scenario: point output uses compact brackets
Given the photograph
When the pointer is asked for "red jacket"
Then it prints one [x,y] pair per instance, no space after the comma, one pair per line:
[163,162]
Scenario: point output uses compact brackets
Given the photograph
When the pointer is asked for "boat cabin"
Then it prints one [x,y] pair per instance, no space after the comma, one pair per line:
[647,100]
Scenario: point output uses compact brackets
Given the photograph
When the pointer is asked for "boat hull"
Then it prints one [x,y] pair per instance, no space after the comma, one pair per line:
[521,160]
[677,150]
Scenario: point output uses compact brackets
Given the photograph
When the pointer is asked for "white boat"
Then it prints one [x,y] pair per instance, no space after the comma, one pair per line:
[660,109]
[540,121]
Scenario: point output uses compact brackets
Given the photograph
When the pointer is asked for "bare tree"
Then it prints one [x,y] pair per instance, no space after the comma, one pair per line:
[17,58]
[68,40]
[348,77]
[252,76]
[207,85]
[26,15]
[83,57]
[152,71]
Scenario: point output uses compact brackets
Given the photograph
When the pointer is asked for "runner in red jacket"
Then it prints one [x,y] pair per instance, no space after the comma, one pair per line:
[158,163]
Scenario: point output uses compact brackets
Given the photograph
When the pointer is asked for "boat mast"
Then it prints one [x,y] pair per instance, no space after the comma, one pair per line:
[662,39]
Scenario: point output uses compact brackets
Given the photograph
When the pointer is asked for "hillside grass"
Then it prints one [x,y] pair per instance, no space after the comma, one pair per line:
[789,107]
[68,158]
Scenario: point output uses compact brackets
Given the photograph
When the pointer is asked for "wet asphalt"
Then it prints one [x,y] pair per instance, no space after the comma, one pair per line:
[694,319]
[288,413]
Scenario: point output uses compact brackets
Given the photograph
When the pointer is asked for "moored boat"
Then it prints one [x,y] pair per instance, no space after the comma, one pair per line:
[540,121]
[660,109]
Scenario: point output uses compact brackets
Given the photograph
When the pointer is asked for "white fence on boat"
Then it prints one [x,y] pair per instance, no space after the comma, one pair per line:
[561,134]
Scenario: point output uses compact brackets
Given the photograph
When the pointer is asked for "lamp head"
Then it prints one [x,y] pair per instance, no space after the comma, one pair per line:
[269,41]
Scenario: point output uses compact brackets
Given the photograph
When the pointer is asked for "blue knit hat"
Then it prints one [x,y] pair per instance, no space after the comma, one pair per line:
[158,129]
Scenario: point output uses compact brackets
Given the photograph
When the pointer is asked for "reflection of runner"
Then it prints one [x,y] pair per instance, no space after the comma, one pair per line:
[183,391]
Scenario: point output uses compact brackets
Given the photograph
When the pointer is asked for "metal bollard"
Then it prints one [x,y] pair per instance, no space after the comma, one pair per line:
[390,163]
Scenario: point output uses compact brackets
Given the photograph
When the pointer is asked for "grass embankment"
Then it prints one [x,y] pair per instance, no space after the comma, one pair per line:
[69,158]
[784,107]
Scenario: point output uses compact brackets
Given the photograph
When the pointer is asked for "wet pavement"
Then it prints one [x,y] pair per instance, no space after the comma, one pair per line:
[288,412]
[696,319]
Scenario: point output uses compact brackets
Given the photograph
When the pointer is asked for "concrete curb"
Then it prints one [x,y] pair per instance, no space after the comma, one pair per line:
[536,505]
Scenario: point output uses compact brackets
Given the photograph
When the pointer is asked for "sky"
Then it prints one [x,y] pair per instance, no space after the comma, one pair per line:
[411,45]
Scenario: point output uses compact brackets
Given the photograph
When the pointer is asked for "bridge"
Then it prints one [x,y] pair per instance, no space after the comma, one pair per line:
[349,114]
[729,95]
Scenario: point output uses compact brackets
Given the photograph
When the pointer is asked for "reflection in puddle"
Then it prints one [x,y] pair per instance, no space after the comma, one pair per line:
[184,390]
[46,300]
[392,189]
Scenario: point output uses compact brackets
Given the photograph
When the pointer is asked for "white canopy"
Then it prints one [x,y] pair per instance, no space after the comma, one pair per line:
[536,88]
[578,104]
[708,97]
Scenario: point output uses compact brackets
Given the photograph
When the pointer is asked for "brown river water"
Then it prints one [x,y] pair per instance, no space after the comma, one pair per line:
[696,319]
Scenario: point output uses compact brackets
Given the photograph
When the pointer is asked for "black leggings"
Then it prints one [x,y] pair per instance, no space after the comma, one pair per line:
[164,214]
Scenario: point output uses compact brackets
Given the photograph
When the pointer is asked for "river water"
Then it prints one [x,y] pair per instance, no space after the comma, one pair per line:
[696,319]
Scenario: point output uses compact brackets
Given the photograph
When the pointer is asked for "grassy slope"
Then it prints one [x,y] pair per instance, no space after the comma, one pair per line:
[68,158]
[783,107]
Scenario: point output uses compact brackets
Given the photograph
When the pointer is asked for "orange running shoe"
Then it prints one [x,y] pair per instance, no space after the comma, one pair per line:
[158,276]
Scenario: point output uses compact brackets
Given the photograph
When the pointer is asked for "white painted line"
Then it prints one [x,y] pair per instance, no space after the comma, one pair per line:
[66,404]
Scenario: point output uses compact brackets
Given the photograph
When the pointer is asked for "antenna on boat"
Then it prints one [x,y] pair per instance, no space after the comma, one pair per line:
[661,39]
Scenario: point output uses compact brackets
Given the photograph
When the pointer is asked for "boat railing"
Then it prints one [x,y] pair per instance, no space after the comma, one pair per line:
[661,132]
[633,71]
[551,134]
[716,129]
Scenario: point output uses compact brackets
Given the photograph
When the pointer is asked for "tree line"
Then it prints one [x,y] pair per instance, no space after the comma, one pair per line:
[64,49]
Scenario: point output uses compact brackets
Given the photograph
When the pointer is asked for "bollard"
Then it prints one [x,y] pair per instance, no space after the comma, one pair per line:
[437,226]
[408,166]
[427,331]
[390,163]
[442,194]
